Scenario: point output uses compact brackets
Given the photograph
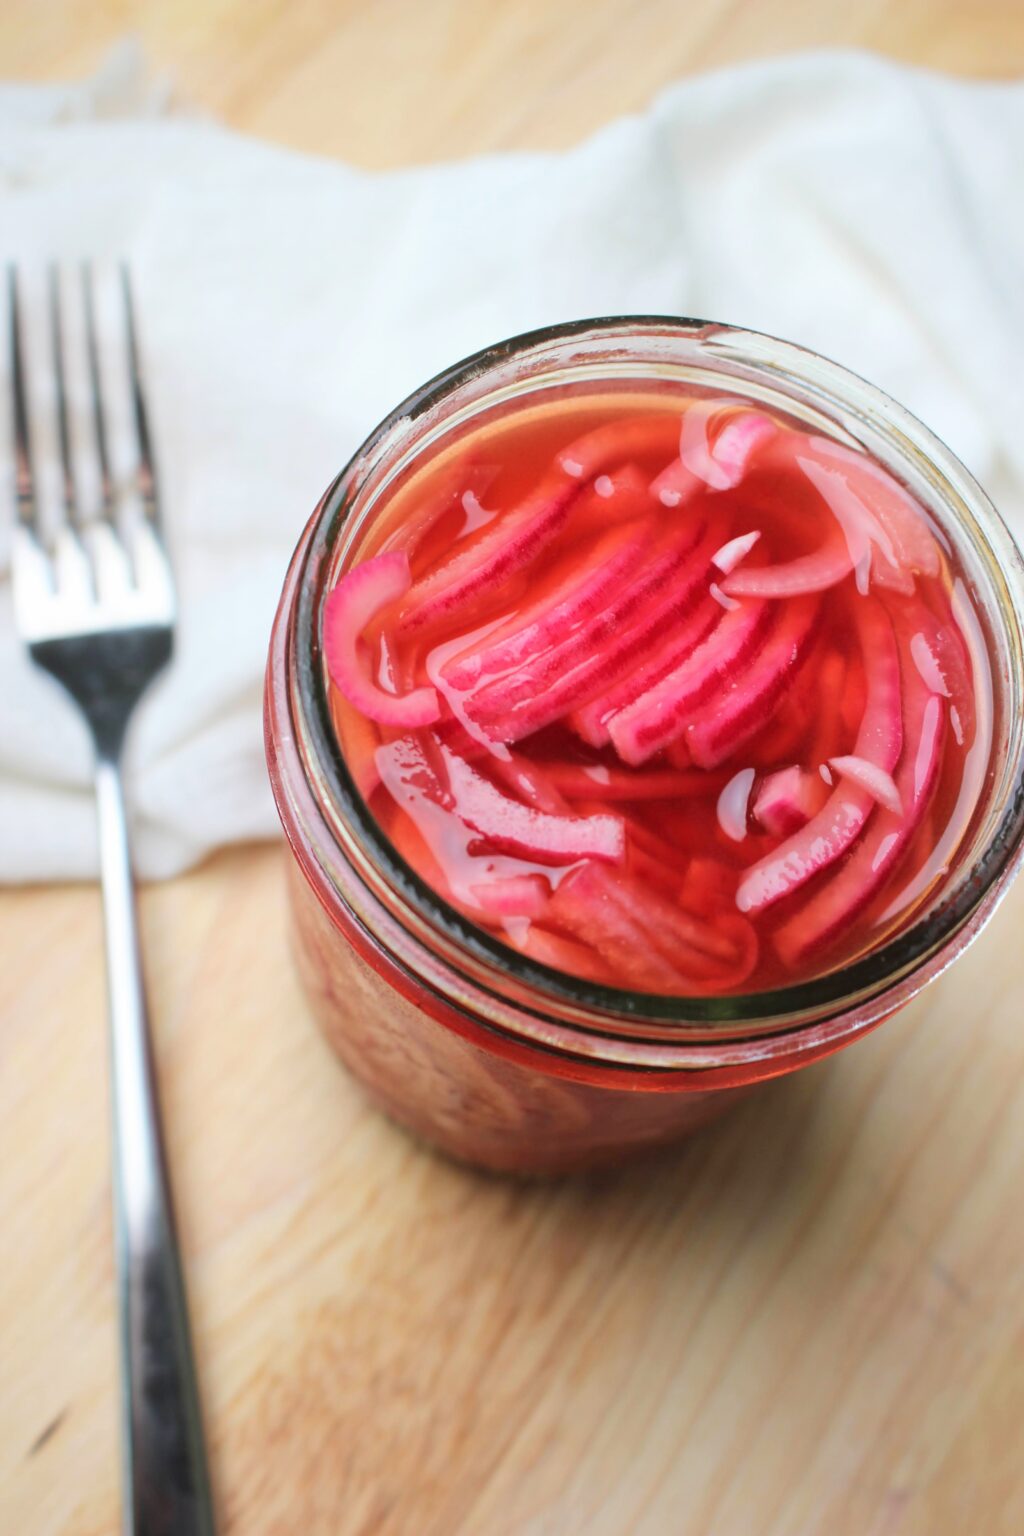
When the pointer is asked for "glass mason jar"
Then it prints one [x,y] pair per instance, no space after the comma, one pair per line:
[498,1059]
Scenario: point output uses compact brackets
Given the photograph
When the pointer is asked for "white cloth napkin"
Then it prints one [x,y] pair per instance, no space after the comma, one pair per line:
[872,212]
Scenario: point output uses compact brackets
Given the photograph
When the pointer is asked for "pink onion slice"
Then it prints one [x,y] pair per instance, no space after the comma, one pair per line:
[527,781]
[733,804]
[586,640]
[938,655]
[837,825]
[618,441]
[700,949]
[591,721]
[360,595]
[663,595]
[562,954]
[661,715]
[914,546]
[702,465]
[584,907]
[721,464]
[492,555]
[610,564]
[879,784]
[745,703]
[731,553]
[650,940]
[739,441]
[504,825]
[512,895]
[675,485]
[787,799]
[825,567]
[871,549]
[879,531]
[828,913]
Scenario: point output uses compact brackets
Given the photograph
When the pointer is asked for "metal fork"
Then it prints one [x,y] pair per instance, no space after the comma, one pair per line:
[96,609]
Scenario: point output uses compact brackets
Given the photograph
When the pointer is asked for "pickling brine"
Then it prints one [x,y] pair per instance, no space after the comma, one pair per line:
[664,691]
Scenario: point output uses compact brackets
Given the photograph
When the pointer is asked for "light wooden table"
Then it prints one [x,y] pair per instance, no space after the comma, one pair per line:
[811,1320]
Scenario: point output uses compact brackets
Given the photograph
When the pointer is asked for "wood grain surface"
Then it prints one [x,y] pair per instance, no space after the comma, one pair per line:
[809,1320]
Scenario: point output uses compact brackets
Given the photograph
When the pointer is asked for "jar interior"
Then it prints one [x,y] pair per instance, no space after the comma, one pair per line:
[560,373]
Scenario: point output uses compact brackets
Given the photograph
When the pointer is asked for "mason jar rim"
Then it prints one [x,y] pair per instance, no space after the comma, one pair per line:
[486,961]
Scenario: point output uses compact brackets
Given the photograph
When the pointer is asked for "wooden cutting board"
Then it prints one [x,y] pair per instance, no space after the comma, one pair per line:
[809,1320]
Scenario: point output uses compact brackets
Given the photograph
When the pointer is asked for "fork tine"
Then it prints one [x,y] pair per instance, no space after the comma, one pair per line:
[28,509]
[96,390]
[147,470]
[60,379]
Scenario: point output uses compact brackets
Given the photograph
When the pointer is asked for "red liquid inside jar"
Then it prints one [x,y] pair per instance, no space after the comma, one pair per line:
[664,691]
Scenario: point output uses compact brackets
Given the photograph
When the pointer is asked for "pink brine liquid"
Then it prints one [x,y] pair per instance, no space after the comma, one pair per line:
[663,691]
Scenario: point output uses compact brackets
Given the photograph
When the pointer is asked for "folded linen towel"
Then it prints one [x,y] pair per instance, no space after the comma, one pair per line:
[872,212]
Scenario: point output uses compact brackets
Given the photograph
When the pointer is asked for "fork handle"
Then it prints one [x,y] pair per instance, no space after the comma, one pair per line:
[167,1490]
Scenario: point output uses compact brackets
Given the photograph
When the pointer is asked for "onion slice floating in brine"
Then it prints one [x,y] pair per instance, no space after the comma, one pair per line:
[354,603]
